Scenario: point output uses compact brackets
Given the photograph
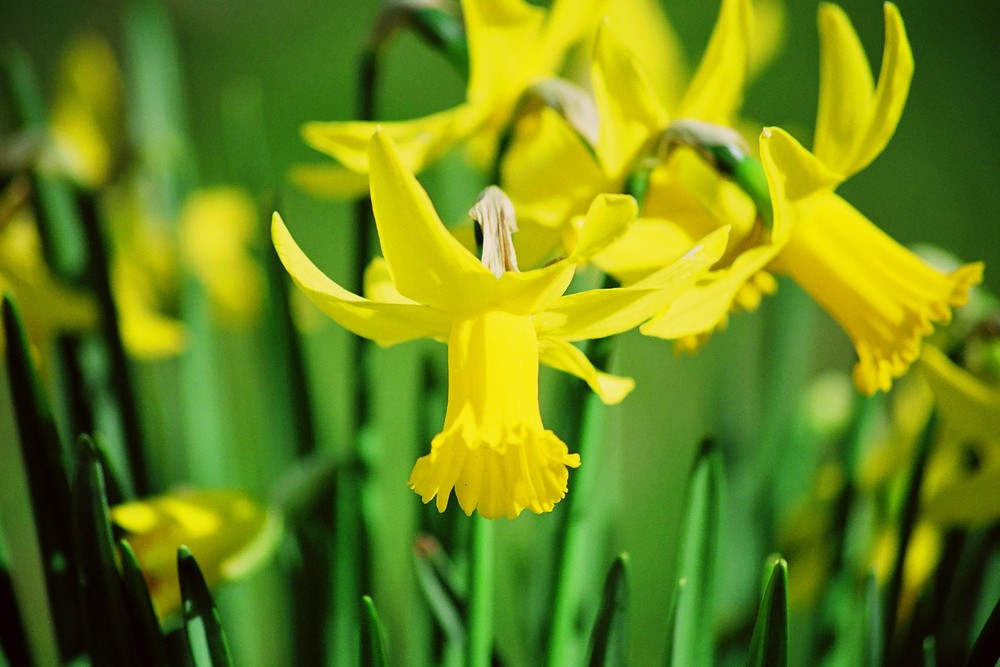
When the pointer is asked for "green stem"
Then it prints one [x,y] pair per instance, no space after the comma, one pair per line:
[907,521]
[481,594]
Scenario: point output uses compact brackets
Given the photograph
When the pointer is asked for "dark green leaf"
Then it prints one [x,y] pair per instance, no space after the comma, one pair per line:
[769,645]
[986,649]
[372,635]
[691,634]
[206,638]
[110,638]
[148,635]
[13,640]
[47,481]
[609,640]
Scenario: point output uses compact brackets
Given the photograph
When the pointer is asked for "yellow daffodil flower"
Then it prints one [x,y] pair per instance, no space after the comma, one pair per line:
[512,45]
[884,296]
[499,324]
[229,533]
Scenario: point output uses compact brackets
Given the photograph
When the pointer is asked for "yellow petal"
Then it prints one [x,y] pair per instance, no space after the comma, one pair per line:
[855,119]
[566,357]
[541,194]
[793,173]
[427,263]
[706,306]
[654,44]
[716,91]
[329,180]
[607,219]
[525,293]
[967,405]
[503,37]
[386,323]
[884,296]
[603,312]
[646,246]
[494,451]
[627,106]
[420,141]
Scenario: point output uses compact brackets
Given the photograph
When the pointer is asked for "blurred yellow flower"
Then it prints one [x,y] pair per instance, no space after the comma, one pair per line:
[228,532]
[499,324]
[48,306]
[218,230]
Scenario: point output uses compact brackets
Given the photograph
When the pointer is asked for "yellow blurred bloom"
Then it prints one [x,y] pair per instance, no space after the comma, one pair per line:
[86,117]
[228,532]
[218,230]
[512,45]
[499,323]
[48,306]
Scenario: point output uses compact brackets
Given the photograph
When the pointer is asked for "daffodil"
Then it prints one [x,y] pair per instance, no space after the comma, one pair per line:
[884,296]
[512,45]
[229,533]
[50,307]
[499,324]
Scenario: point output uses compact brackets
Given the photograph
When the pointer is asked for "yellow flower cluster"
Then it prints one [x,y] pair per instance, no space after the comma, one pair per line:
[717,217]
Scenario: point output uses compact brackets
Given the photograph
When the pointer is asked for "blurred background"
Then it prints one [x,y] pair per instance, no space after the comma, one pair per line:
[938,182]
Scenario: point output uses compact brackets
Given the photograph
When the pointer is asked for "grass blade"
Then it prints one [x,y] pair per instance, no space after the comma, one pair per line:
[109,634]
[148,636]
[769,645]
[206,638]
[47,481]
[441,589]
[986,648]
[609,640]
[691,631]
[372,635]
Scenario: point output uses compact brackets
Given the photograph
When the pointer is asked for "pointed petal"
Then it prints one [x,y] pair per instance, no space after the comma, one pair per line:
[427,263]
[854,122]
[626,103]
[386,323]
[568,22]
[793,173]
[603,312]
[503,39]
[705,307]
[566,357]
[419,142]
[607,220]
[655,46]
[716,91]
[890,93]
[332,181]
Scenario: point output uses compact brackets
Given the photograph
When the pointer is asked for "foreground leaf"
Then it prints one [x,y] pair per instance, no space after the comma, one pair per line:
[609,640]
[769,645]
[205,636]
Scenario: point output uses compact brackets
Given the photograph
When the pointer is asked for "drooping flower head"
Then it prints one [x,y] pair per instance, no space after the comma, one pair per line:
[499,324]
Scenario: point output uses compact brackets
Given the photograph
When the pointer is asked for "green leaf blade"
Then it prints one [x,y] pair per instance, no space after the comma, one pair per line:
[769,645]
